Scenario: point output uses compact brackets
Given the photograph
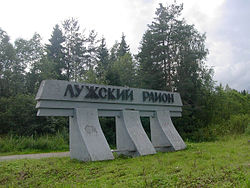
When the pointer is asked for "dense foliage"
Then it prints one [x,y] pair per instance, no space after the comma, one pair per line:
[171,57]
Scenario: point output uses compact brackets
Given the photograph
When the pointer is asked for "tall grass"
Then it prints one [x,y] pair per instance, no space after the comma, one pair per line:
[44,143]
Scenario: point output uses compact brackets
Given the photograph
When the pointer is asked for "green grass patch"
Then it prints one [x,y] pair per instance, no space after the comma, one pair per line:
[33,144]
[223,163]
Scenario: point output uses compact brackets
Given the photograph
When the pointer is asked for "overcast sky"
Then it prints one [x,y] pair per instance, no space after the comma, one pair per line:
[226,23]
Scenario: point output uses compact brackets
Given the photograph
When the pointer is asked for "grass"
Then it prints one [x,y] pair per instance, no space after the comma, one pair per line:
[10,145]
[223,163]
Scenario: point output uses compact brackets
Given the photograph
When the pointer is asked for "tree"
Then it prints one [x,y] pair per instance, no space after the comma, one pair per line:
[7,54]
[171,57]
[123,47]
[124,71]
[55,52]
[192,78]
[74,50]
[11,69]
[46,69]
[175,49]
[164,31]
[150,73]
[122,67]
[91,54]
[103,60]
[119,49]
[31,52]
[114,52]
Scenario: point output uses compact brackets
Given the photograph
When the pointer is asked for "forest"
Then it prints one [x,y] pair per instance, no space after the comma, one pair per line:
[171,57]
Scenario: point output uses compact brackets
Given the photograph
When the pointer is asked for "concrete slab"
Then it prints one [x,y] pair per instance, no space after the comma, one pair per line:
[131,135]
[164,134]
[87,141]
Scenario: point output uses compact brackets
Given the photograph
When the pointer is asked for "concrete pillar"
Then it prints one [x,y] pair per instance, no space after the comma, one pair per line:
[87,141]
[164,136]
[130,135]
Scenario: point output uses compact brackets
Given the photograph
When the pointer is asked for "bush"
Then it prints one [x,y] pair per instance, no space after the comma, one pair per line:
[18,116]
[237,124]
[247,132]
[222,112]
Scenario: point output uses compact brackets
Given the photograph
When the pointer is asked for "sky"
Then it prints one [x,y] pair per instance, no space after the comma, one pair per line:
[225,22]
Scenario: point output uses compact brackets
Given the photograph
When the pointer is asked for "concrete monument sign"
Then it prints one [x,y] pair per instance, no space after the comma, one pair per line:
[83,103]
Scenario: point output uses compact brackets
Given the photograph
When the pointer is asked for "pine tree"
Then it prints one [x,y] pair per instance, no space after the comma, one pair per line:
[92,47]
[114,52]
[103,60]
[174,50]
[122,67]
[164,29]
[123,47]
[123,71]
[55,51]
[171,58]
[150,72]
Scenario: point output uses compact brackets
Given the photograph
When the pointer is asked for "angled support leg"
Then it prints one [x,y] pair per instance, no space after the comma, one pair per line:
[87,141]
[164,136]
[130,135]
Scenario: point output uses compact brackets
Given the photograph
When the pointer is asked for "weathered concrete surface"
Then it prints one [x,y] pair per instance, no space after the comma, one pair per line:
[87,141]
[164,134]
[54,99]
[56,90]
[131,135]
[124,142]
[34,156]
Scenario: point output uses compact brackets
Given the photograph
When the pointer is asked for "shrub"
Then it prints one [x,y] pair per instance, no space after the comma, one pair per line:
[248,129]
[237,124]
[18,116]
